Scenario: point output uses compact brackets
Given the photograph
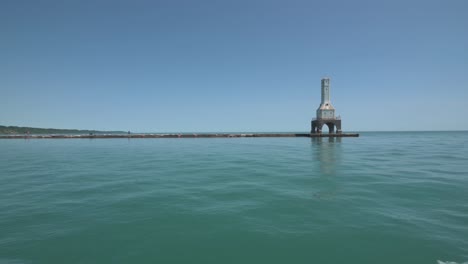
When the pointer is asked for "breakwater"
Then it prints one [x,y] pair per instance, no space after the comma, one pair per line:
[182,135]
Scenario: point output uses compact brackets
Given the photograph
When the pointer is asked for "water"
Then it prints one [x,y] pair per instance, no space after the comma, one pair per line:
[380,198]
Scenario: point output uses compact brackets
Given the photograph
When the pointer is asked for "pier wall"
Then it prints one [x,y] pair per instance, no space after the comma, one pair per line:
[176,135]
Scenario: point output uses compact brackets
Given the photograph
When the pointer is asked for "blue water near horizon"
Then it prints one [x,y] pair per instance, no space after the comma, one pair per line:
[385,197]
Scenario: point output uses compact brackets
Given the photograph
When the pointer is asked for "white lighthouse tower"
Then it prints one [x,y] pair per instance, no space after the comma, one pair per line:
[326,112]
[326,109]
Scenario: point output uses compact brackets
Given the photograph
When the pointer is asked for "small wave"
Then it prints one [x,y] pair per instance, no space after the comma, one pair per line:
[449,262]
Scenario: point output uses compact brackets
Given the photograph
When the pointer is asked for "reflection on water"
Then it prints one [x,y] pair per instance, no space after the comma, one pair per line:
[327,154]
[327,151]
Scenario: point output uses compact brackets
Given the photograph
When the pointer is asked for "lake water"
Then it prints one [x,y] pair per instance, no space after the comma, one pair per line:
[399,197]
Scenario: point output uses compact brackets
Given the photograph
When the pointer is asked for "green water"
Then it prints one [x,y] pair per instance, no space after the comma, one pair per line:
[380,198]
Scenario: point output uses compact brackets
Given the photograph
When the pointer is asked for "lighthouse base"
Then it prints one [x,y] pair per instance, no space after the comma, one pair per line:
[332,124]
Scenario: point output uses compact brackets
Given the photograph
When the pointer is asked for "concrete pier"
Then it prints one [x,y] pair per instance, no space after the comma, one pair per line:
[184,135]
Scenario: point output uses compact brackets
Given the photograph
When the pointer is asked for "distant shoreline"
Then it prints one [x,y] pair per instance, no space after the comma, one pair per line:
[15,130]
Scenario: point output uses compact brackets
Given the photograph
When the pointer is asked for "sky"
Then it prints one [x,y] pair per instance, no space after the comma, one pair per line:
[232,66]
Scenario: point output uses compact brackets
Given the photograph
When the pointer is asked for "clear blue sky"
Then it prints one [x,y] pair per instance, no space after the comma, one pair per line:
[244,65]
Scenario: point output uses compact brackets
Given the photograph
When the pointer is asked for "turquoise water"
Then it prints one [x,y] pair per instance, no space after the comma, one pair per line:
[381,198]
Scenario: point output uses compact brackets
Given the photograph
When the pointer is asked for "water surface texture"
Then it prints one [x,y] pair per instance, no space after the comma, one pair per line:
[380,198]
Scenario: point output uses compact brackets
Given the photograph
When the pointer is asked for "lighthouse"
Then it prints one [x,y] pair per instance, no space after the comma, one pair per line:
[326,112]
[326,109]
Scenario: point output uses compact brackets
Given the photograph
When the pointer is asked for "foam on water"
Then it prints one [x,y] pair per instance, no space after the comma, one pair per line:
[450,262]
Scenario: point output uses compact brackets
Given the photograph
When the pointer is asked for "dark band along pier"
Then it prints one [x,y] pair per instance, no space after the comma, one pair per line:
[177,136]
[325,116]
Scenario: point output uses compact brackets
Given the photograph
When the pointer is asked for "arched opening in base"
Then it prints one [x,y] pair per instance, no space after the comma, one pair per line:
[331,127]
[320,126]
